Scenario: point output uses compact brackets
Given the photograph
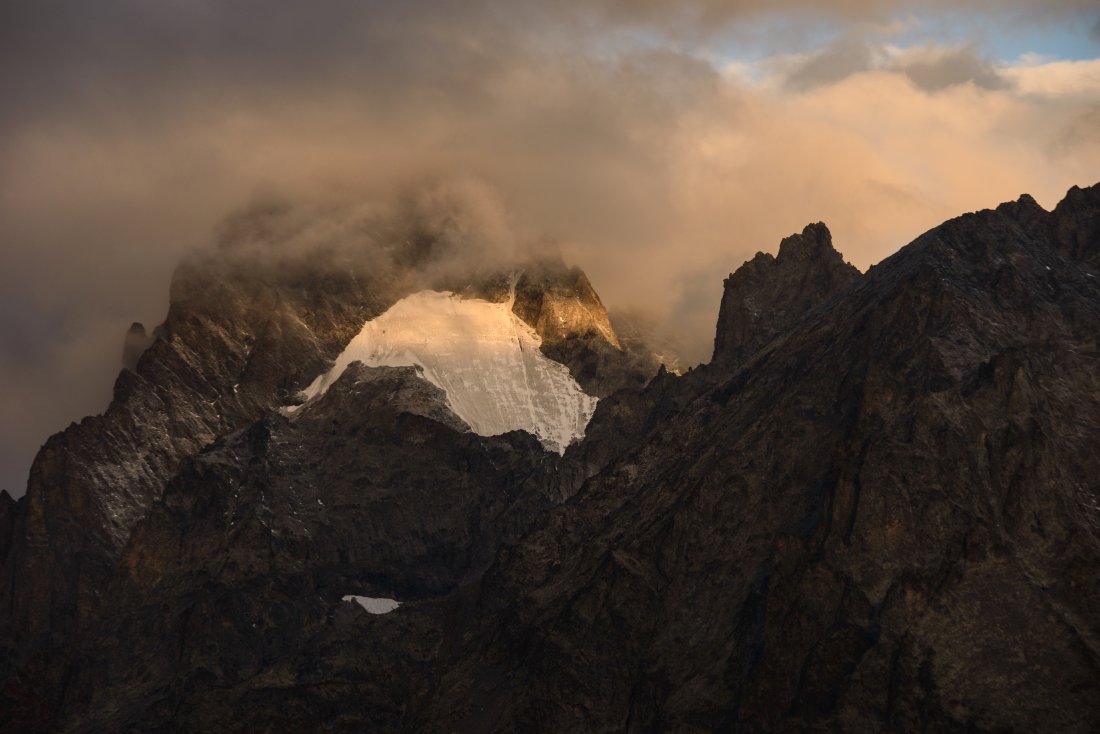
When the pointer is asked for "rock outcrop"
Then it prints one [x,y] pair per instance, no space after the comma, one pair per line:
[767,295]
[1076,226]
[8,510]
[560,304]
[234,345]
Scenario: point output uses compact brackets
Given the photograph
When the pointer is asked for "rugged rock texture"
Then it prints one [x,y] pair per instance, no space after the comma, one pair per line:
[249,325]
[8,510]
[889,521]
[1076,225]
[235,581]
[562,307]
[767,295]
[559,303]
[881,514]
[236,342]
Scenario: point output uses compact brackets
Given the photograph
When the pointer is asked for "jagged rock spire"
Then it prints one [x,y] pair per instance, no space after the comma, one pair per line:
[768,294]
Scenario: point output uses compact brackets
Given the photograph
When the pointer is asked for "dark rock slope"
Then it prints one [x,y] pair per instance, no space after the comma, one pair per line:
[249,325]
[234,344]
[9,508]
[890,520]
[877,511]
[240,336]
[228,610]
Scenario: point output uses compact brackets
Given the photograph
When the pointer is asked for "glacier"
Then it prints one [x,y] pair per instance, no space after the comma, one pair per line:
[485,358]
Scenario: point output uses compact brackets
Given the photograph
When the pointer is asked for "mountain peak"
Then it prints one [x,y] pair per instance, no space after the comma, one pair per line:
[815,242]
[559,302]
[767,295]
[1077,224]
[563,308]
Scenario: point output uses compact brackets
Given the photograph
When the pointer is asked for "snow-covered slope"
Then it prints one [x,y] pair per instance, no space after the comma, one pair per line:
[483,356]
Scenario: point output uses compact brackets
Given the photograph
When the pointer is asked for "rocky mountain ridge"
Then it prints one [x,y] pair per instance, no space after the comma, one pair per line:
[879,523]
[876,511]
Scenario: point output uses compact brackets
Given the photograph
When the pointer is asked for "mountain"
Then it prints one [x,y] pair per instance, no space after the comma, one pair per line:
[875,509]
[886,519]
[768,294]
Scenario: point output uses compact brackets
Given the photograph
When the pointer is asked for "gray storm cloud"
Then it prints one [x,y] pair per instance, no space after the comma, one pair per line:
[932,68]
[617,129]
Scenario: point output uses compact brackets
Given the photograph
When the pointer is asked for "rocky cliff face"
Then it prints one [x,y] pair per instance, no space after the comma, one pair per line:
[562,307]
[233,346]
[878,512]
[767,295]
[8,510]
[887,521]
[1075,226]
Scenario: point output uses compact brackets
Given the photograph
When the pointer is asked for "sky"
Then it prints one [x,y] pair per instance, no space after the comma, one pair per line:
[659,145]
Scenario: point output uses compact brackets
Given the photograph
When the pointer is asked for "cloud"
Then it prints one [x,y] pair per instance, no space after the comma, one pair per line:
[833,64]
[130,129]
[1072,80]
[930,67]
[933,69]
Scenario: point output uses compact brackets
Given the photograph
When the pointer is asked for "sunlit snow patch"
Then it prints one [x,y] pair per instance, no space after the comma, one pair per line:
[484,357]
[374,605]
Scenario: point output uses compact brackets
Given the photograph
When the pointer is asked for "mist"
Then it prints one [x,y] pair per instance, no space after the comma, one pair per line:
[656,148]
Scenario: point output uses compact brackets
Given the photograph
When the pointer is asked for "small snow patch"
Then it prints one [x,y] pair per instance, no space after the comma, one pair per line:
[374,605]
